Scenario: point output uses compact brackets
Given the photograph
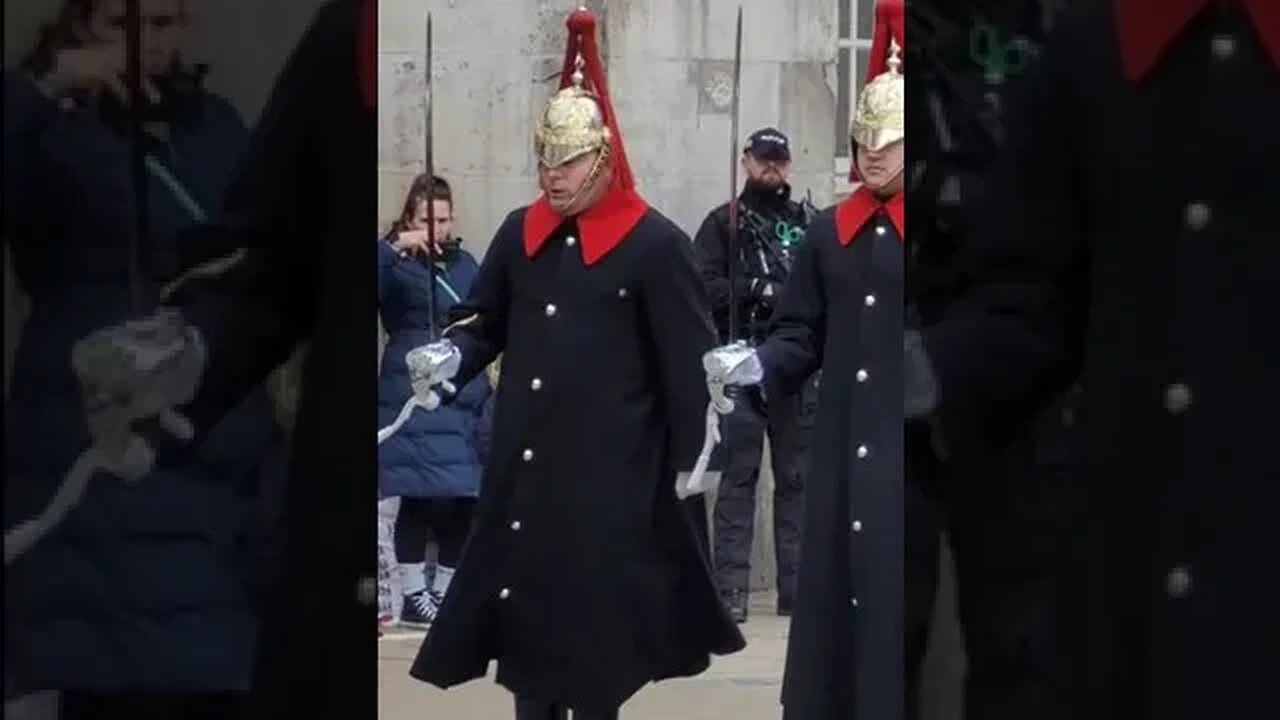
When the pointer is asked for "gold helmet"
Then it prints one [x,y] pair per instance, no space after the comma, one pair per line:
[879,119]
[579,118]
[570,126]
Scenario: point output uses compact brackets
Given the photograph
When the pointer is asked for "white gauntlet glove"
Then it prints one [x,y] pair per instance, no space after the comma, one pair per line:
[431,367]
[134,372]
[736,364]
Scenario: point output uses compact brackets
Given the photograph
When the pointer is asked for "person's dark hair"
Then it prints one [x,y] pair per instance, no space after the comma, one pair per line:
[423,188]
[61,35]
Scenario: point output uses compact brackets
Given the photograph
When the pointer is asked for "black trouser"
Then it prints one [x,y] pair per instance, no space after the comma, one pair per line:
[788,420]
[150,706]
[529,709]
[447,519]
[1006,522]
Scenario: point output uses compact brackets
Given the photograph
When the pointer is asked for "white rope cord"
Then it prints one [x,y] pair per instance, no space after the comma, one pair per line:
[697,481]
[401,419]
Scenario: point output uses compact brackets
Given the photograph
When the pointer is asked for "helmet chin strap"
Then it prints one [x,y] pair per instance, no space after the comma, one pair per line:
[597,169]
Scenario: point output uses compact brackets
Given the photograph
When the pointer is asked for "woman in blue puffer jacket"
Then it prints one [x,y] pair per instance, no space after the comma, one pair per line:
[140,600]
[433,463]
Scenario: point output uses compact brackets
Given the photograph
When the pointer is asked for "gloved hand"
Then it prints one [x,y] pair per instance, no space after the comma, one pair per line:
[133,376]
[920,382]
[431,367]
[734,364]
[687,485]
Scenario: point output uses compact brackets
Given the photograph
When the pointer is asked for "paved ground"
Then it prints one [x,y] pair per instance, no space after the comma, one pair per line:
[744,686]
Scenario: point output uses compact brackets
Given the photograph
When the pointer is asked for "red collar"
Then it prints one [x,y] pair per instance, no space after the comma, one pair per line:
[854,212]
[602,226]
[1147,28]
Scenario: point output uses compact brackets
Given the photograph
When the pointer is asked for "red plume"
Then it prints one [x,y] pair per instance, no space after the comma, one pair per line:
[890,25]
[582,41]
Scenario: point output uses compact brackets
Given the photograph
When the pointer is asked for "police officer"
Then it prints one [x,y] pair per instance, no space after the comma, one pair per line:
[772,225]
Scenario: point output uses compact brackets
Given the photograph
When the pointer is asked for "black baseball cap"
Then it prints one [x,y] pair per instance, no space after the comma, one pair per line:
[769,144]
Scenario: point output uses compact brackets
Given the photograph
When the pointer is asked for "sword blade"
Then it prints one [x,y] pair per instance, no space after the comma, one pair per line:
[430,170]
[137,155]
[733,181]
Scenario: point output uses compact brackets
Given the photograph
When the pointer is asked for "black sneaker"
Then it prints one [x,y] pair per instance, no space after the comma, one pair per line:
[735,601]
[420,609]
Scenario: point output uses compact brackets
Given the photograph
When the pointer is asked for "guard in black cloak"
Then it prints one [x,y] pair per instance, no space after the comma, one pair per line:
[583,576]
[1134,246]
[842,309]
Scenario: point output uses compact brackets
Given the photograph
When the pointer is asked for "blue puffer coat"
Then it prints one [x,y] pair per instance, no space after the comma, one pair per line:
[435,454]
[142,587]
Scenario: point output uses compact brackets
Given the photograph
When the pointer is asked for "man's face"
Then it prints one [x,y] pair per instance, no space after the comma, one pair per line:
[163,23]
[881,170]
[443,218]
[766,171]
[563,184]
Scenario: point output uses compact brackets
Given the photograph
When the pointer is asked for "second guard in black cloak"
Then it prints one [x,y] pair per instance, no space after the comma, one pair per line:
[842,309]
[583,577]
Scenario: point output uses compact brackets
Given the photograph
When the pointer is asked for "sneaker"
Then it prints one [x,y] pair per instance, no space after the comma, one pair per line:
[420,609]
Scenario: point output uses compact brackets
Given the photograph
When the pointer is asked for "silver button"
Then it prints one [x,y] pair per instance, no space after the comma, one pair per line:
[367,591]
[504,593]
[551,310]
[1178,582]
[1198,215]
[863,451]
[571,241]
[515,525]
[536,383]
[880,230]
[861,375]
[1177,398]
[1224,46]
[527,455]
[870,300]
[623,292]
[857,526]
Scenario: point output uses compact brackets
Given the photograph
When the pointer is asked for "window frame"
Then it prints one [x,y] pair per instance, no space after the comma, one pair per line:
[851,44]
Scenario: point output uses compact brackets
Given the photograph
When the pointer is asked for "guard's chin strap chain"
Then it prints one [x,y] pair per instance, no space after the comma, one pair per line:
[597,168]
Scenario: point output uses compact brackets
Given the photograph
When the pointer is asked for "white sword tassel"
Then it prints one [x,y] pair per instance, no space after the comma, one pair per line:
[697,482]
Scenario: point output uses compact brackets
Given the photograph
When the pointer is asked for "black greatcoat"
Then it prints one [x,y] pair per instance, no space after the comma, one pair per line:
[842,309]
[582,576]
[1137,242]
[307,181]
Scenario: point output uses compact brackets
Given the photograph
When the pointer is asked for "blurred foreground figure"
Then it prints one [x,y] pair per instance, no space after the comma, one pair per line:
[584,576]
[302,198]
[1134,245]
